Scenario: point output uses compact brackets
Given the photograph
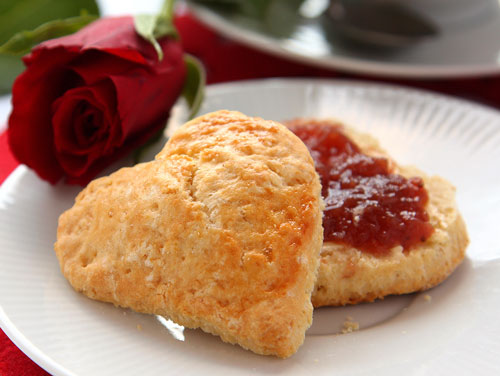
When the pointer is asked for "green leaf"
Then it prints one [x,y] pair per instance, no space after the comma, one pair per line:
[153,27]
[10,68]
[145,25]
[194,85]
[23,41]
[167,9]
[139,153]
[20,15]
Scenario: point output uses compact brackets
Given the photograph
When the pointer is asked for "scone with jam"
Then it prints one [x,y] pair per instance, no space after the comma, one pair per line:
[389,229]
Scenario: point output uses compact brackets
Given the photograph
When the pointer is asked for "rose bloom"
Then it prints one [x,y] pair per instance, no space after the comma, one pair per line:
[86,99]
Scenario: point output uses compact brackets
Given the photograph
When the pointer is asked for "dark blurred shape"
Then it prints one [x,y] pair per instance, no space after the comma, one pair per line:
[380,23]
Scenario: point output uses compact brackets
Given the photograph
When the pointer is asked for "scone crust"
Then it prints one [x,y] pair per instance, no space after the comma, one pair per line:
[222,232]
[348,275]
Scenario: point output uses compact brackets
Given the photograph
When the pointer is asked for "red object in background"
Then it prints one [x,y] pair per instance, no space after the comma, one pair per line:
[227,61]
[13,362]
[7,161]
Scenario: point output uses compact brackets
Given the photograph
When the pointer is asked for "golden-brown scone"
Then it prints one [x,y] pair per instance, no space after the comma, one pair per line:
[348,275]
[222,231]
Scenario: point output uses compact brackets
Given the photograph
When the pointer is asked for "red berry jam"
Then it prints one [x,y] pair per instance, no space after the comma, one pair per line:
[367,206]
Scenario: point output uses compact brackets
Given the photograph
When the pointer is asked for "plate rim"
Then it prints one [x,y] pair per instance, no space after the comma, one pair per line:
[27,347]
[9,328]
[351,65]
[355,82]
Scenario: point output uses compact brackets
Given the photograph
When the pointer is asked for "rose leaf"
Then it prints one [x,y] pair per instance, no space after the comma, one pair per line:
[194,84]
[139,153]
[19,15]
[153,27]
[22,42]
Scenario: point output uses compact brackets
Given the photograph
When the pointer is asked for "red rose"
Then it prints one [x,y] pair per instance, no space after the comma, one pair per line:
[86,99]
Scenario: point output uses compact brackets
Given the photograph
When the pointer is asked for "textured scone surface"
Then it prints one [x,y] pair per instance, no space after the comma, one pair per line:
[222,231]
[347,275]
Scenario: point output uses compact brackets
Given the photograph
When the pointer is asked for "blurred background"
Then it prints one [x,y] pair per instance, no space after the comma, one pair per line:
[450,46]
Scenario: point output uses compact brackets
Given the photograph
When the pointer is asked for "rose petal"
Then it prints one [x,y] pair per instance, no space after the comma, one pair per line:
[70,116]
[144,98]
[30,130]
[86,126]
[78,142]
[155,91]
[104,161]
[116,36]
[93,66]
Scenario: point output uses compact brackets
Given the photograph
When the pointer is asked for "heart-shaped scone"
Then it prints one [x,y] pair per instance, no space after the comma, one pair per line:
[222,231]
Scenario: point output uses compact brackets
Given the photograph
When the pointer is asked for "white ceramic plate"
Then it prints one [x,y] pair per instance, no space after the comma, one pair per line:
[468,43]
[455,332]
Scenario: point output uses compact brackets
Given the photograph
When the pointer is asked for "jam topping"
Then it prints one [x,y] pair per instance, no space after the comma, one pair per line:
[367,206]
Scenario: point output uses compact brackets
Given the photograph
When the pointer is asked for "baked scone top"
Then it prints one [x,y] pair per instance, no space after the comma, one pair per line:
[222,231]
